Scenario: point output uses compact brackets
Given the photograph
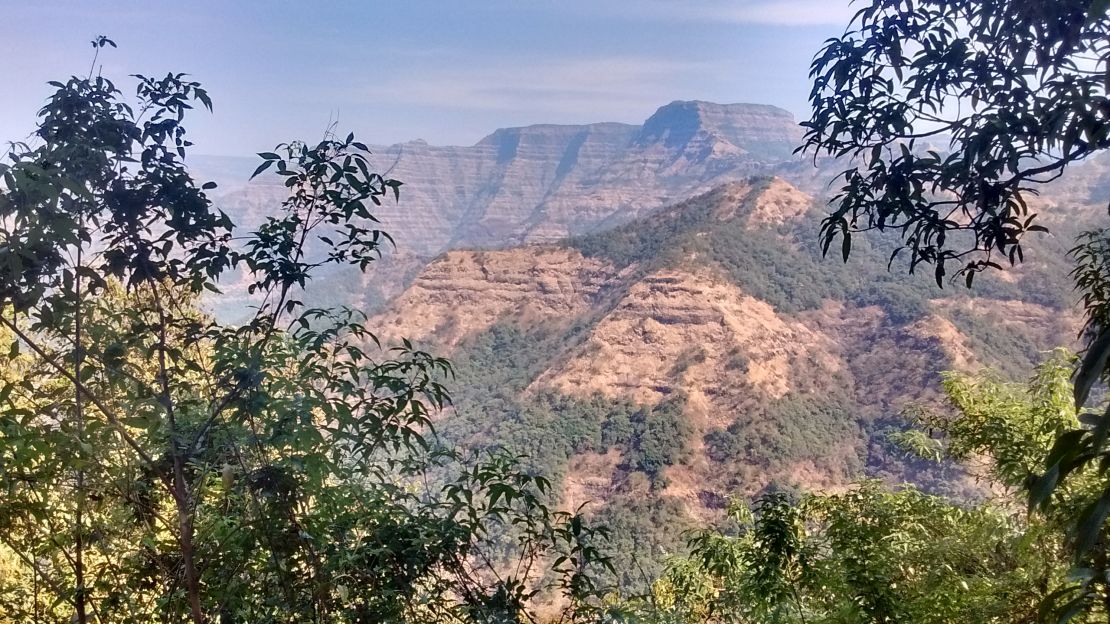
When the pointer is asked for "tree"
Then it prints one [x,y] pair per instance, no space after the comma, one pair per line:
[1015,92]
[158,465]
[1011,91]
[876,554]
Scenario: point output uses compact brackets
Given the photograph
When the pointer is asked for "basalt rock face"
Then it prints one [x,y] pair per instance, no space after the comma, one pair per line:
[463,293]
[769,394]
[545,182]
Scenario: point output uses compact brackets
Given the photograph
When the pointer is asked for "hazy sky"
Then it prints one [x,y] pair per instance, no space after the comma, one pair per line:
[448,72]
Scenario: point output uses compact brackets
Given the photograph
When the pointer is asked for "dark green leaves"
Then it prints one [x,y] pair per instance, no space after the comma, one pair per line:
[1098,10]
[1041,487]
[898,80]
[1091,522]
[1092,367]
[290,451]
[263,167]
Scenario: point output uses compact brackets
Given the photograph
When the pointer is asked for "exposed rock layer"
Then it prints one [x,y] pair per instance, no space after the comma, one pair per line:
[545,182]
[654,333]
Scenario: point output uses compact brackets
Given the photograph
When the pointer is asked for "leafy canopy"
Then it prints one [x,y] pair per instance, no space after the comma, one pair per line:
[876,554]
[157,465]
[951,114]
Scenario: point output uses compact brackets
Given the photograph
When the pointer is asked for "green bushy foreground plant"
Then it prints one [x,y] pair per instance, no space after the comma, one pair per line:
[876,554]
[159,466]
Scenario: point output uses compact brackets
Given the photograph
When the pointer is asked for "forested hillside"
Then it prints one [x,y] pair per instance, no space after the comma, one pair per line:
[714,368]
[708,350]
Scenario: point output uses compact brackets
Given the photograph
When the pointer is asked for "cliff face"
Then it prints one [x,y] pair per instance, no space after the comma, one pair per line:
[545,182]
[799,392]
[681,331]
[463,293]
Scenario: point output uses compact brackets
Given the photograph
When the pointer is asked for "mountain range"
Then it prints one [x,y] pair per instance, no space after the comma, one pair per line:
[643,313]
[707,350]
[546,182]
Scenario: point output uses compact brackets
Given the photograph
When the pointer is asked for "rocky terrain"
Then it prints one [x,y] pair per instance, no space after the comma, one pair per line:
[796,395]
[642,311]
[545,182]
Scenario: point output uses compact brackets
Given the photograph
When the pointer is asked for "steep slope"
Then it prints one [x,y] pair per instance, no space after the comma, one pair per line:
[706,350]
[545,182]
[680,331]
[464,293]
[781,362]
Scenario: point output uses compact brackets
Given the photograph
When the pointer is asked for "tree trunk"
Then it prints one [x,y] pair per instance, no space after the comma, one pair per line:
[185,529]
[79,415]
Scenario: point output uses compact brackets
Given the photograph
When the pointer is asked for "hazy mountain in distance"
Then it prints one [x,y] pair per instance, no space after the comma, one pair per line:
[545,182]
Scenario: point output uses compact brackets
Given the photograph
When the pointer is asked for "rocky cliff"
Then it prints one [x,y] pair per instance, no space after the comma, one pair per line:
[773,387]
[545,182]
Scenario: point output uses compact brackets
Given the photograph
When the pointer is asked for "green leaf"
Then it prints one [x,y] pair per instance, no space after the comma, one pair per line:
[264,166]
[1041,487]
[1091,522]
[1092,367]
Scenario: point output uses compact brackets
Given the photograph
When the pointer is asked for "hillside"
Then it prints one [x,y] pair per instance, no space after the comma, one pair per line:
[706,351]
[545,182]
[656,357]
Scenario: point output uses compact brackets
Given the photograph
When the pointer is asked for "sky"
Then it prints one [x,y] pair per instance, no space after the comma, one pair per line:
[448,71]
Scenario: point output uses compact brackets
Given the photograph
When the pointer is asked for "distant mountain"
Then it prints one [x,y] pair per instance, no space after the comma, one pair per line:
[546,182]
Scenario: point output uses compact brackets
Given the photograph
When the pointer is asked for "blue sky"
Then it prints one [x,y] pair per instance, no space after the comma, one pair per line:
[448,72]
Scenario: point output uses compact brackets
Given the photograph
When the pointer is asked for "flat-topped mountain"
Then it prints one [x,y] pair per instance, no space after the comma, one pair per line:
[546,182]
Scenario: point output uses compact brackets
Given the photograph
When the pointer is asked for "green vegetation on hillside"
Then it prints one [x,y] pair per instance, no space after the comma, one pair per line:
[783,266]
[494,408]
[159,466]
[882,554]
[791,429]
[494,411]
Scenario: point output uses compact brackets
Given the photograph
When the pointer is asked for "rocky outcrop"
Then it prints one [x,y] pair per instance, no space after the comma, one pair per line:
[545,182]
[463,293]
[677,331]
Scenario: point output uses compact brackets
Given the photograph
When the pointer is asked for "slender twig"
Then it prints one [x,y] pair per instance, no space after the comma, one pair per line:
[113,420]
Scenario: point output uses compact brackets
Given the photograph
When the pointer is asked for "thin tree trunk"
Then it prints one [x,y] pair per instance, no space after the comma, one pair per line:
[78,517]
[185,528]
[181,490]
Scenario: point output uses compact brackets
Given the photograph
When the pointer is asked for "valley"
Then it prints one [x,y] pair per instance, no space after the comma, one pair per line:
[642,313]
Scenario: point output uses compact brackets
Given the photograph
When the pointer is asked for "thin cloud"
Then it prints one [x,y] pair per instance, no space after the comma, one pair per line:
[793,12]
[764,12]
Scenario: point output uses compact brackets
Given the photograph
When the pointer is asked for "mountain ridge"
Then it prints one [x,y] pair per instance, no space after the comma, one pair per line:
[543,182]
[658,355]
[781,363]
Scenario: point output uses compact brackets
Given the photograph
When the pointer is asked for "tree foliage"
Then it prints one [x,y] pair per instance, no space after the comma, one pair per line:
[1011,93]
[951,114]
[157,465]
[877,554]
